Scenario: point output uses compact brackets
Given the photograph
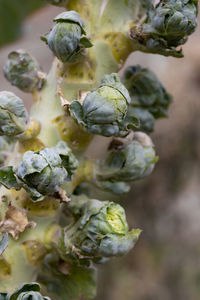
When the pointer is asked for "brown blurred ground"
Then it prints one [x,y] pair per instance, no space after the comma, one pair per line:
[165,264]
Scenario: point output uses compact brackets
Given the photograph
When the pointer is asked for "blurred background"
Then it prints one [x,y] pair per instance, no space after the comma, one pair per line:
[165,264]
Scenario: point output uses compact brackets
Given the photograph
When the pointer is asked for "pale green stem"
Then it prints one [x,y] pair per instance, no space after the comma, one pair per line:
[46,107]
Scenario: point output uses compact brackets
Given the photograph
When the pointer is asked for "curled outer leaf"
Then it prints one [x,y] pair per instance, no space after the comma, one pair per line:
[25,292]
[41,173]
[13,115]
[23,71]
[104,110]
[67,38]
[100,230]
[168,25]
[147,92]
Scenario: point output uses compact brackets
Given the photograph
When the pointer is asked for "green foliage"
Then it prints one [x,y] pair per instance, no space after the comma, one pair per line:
[12,13]
[58,2]
[23,71]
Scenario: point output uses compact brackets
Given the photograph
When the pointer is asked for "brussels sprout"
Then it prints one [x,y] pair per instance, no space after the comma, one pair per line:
[41,173]
[67,38]
[23,71]
[167,25]
[26,292]
[104,110]
[172,21]
[100,230]
[13,115]
[147,91]
[134,161]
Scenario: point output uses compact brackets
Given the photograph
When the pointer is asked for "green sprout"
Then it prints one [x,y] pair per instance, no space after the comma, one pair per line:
[41,173]
[104,110]
[147,91]
[23,71]
[100,231]
[167,25]
[67,38]
[127,163]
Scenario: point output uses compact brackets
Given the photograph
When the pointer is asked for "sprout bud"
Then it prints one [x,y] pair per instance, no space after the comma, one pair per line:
[23,71]
[104,110]
[67,38]
[146,92]
[168,25]
[134,161]
[41,173]
[100,230]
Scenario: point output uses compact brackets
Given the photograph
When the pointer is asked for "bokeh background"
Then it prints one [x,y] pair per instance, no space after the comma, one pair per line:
[165,264]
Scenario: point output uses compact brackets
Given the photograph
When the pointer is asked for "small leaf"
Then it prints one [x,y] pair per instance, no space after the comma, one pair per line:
[3,244]
[86,42]
[8,179]
[77,111]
